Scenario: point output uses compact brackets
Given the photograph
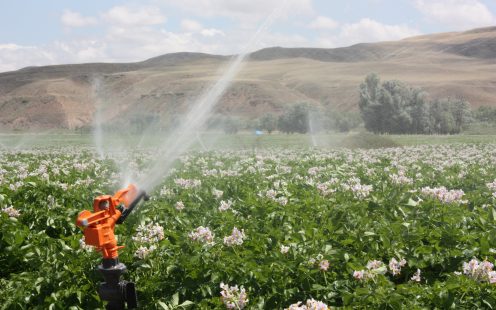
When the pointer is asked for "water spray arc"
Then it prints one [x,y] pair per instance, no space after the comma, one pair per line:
[98,226]
[96,86]
[312,130]
[184,136]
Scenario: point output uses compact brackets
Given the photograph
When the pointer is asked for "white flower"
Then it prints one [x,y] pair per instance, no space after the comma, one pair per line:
[84,246]
[395,266]
[492,186]
[166,192]
[202,234]
[313,171]
[374,264]
[359,275]
[480,271]
[284,249]
[185,183]
[492,276]
[149,233]
[324,188]
[444,195]
[324,265]
[400,178]
[236,237]
[143,251]
[416,276]
[282,200]
[233,297]
[179,205]
[225,205]
[217,193]
[271,194]
[361,191]
[311,304]
[11,211]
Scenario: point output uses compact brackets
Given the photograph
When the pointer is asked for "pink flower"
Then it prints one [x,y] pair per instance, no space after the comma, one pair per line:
[395,266]
[225,205]
[374,264]
[11,211]
[324,265]
[444,195]
[359,275]
[202,234]
[233,297]
[480,271]
[236,238]
[311,304]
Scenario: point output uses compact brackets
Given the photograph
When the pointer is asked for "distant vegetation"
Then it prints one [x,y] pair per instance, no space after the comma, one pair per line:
[385,107]
[485,115]
[304,118]
[395,108]
[295,119]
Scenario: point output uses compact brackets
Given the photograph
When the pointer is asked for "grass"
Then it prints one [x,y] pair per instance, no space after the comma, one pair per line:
[242,140]
[442,139]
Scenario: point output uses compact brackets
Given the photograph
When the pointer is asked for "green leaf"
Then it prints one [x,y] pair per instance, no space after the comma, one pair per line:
[186,303]
[487,303]
[163,305]
[318,287]
[484,245]
[412,203]
[175,299]
[346,257]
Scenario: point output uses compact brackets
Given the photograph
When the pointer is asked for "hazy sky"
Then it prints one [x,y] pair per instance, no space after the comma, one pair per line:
[34,32]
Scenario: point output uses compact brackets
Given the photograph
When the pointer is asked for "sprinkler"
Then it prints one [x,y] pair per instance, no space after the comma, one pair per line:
[98,227]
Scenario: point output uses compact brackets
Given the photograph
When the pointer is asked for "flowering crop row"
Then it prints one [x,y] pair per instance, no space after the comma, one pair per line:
[279,229]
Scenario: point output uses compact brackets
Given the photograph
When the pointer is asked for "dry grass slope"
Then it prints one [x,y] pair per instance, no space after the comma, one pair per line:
[461,64]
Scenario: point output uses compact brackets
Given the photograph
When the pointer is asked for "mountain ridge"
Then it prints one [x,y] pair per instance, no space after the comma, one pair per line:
[460,64]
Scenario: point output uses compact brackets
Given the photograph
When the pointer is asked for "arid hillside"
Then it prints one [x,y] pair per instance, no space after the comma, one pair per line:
[458,64]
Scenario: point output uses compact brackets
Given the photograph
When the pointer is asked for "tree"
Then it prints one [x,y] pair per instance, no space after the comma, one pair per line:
[341,121]
[485,114]
[441,119]
[419,112]
[461,113]
[268,122]
[295,119]
[393,107]
[395,100]
[387,107]
[231,126]
[370,108]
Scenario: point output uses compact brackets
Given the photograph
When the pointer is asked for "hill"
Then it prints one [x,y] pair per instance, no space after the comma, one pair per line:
[461,64]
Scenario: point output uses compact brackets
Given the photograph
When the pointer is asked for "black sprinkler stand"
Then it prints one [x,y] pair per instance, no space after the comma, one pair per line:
[118,293]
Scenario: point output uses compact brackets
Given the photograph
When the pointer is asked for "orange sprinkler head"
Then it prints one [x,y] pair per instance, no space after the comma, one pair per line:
[99,226]
[127,195]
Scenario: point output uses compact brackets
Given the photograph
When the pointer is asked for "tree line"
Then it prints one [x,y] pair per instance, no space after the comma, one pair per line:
[388,107]
[395,108]
[305,118]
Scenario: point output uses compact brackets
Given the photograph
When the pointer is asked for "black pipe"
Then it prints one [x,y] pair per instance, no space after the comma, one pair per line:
[118,293]
[126,211]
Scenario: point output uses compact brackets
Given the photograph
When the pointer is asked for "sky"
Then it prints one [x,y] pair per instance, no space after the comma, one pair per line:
[35,33]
